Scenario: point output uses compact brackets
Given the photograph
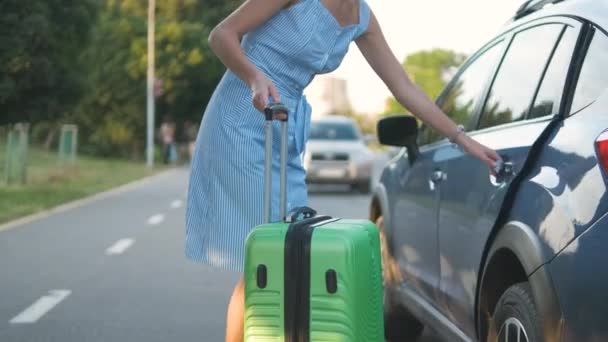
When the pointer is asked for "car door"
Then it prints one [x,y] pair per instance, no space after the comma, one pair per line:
[522,99]
[415,211]
[414,216]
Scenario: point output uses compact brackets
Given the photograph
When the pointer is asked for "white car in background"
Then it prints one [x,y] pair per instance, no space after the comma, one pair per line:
[336,153]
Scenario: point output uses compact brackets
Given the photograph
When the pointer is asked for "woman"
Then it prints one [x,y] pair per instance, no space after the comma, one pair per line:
[284,44]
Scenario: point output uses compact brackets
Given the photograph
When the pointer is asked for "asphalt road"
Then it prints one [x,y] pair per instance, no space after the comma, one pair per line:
[114,270]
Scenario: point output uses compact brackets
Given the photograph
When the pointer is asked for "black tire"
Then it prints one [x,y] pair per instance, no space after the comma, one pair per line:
[399,324]
[362,187]
[516,311]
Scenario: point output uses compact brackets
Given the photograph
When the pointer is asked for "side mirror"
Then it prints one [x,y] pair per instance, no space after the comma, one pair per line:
[400,130]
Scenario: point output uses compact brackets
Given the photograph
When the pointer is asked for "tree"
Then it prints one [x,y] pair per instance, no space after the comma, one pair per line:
[40,74]
[114,112]
[428,69]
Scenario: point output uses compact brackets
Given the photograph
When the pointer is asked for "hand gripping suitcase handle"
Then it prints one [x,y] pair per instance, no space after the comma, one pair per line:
[270,112]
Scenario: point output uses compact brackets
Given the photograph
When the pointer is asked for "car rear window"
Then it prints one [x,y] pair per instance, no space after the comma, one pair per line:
[519,75]
[550,93]
[593,79]
[333,131]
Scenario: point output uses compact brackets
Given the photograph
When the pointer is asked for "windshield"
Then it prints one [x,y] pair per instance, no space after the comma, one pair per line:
[333,131]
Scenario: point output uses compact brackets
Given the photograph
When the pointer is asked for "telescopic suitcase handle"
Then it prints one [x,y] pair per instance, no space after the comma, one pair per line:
[270,111]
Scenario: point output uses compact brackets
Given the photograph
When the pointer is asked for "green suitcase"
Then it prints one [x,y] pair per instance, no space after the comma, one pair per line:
[311,278]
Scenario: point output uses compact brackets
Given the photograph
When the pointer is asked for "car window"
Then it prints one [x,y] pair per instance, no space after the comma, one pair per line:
[549,95]
[593,79]
[517,79]
[461,99]
[333,131]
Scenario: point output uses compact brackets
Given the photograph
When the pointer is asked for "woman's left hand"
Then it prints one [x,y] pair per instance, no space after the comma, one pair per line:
[481,152]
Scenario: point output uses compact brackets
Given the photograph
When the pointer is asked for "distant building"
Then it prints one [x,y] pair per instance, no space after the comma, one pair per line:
[328,95]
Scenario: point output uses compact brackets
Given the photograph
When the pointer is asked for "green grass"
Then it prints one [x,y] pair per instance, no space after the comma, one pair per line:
[50,183]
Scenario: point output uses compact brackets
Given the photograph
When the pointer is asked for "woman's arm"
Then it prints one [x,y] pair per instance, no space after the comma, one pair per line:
[378,54]
[225,41]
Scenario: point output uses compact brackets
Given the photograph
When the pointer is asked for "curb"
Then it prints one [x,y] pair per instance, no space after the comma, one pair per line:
[82,201]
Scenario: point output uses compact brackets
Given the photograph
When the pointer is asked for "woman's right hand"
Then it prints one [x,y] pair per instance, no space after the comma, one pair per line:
[261,88]
[481,152]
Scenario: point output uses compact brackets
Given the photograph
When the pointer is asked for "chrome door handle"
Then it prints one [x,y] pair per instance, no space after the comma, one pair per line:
[503,172]
[438,176]
[504,168]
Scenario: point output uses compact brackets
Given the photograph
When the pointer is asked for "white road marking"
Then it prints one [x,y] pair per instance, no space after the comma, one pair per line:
[156,219]
[176,204]
[40,307]
[120,246]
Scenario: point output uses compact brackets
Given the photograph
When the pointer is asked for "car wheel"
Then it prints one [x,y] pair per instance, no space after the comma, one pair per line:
[399,324]
[362,187]
[516,318]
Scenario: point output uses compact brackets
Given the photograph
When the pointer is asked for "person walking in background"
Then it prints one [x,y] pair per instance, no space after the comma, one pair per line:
[190,132]
[273,50]
[167,136]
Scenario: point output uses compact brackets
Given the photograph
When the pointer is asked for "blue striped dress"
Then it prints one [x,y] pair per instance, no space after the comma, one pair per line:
[225,195]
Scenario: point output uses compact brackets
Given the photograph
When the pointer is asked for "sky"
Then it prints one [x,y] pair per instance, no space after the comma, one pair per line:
[410,26]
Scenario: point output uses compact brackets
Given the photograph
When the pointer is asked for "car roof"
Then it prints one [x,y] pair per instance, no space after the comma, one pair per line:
[591,10]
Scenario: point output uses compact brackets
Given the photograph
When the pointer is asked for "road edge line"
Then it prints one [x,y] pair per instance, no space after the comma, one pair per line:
[82,201]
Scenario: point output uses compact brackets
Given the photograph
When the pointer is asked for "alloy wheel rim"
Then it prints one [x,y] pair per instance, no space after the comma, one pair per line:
[512,330]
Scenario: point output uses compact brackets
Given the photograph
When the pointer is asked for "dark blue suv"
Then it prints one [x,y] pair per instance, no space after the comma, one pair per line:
[521,255]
